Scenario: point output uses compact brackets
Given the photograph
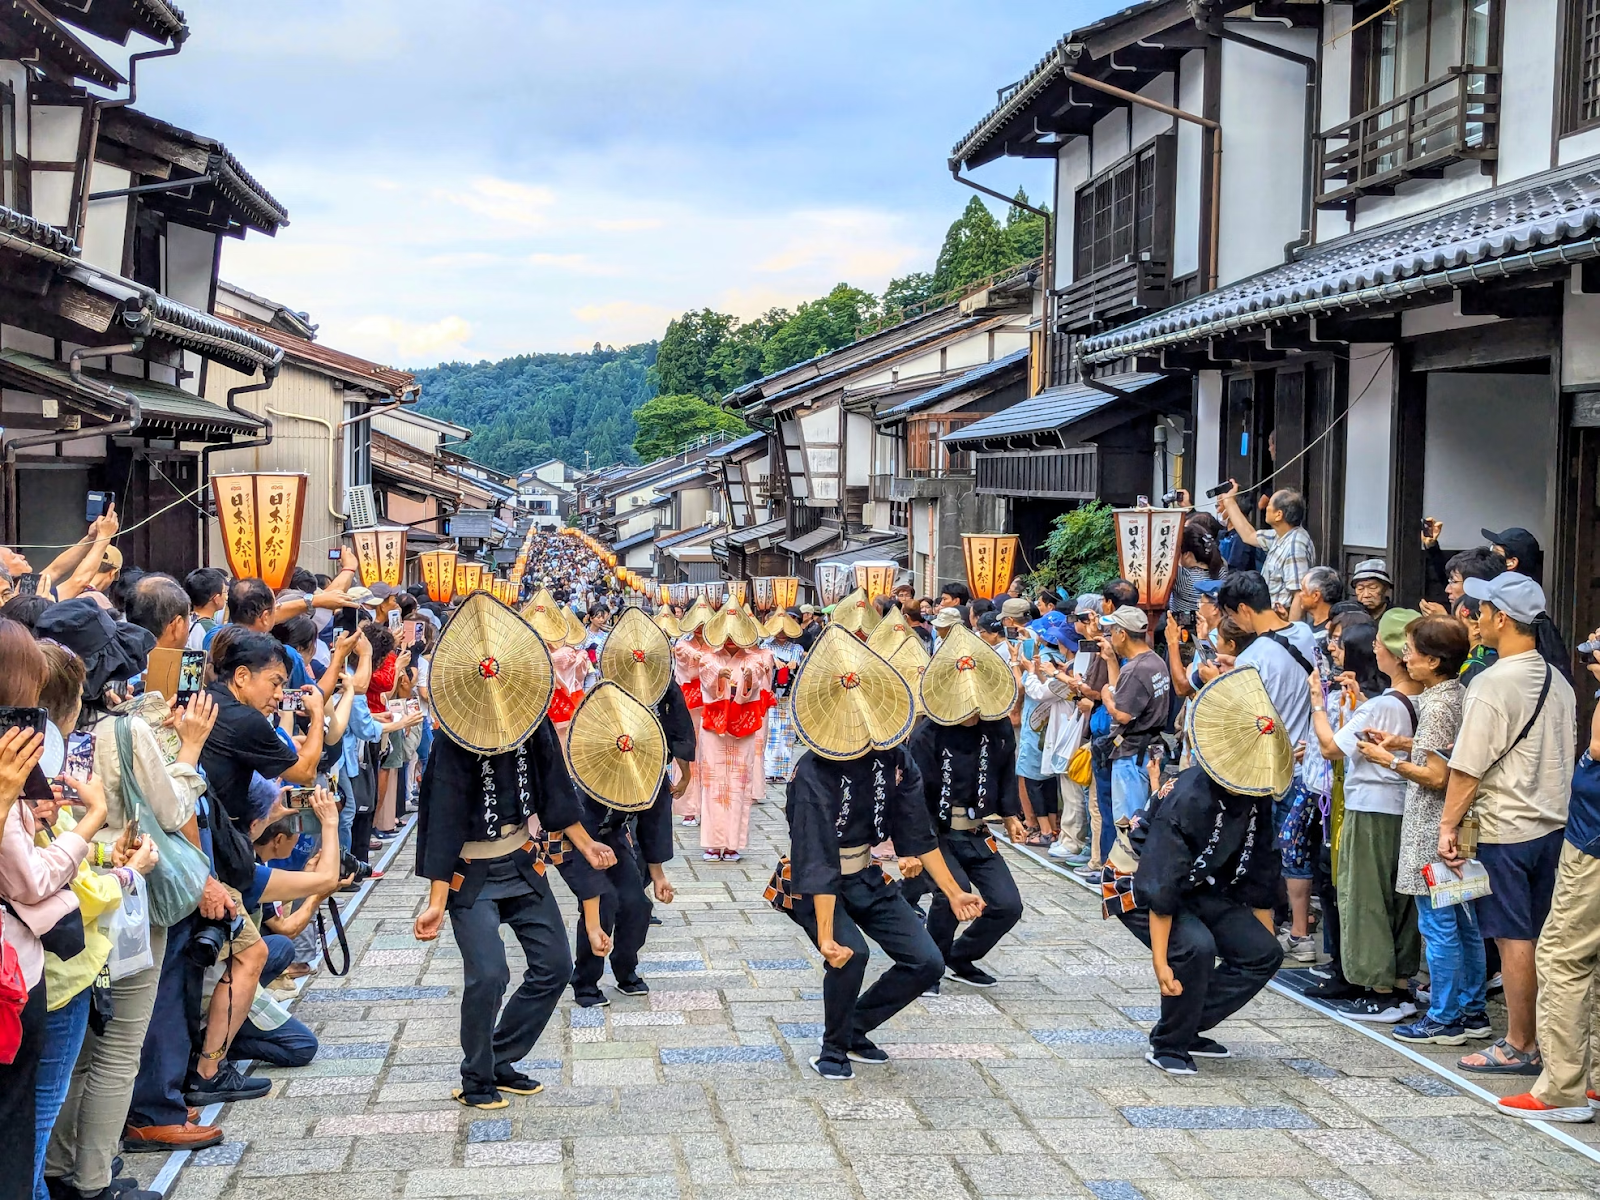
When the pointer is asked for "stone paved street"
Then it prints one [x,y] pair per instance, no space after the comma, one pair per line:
[1035,1089]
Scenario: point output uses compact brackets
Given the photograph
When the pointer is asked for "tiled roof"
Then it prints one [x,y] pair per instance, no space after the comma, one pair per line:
[892,547]
[53,45]
[808,542]
[1524,226]
[35,232]
[757,533]
[190,327]
[1048,411]
[987,373]
[637,539]
[688,535]
[370,374]
[872,360]
[114,20]
[749,439]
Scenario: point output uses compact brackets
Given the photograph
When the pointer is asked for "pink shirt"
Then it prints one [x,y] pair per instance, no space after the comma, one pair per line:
[33,881]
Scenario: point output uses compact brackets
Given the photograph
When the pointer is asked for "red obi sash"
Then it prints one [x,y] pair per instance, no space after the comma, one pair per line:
[691,694]
[733,719]
[563,704]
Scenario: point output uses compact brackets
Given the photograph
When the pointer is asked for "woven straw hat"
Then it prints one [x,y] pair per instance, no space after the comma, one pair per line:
[699,613]
[616,749]
[735,625]
[491,679]
[782,622]
[668,624]
[965,677]
[891,631]
[1237,736]
[577,635]
[637,657]
[855,613]
[910,660]
[544,614]
[847,700]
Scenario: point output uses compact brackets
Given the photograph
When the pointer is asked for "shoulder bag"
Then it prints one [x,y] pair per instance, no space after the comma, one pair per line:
[1467,832]
[181,871]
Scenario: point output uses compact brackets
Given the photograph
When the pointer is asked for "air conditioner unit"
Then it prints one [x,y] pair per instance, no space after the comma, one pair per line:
[361,507]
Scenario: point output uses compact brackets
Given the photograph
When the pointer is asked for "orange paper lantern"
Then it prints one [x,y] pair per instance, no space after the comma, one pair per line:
[786,590]
[738,589]
[382,554]
[876,577]
[991,562]
[260,516]
[439,574]
[1148,544]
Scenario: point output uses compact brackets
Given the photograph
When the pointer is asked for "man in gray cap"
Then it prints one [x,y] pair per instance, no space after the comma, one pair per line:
[1371,585]
[1512,765]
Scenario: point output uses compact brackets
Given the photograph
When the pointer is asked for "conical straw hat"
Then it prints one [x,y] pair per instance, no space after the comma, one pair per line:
[735,625]
[847,700]
[544,614]
[668,624]
[637,657]
[782,622]
[1237,736]
[616,749]
[910,660]
[491,679]
[577,635]
[965,677]
[855,613]
[891,631]
[699,613]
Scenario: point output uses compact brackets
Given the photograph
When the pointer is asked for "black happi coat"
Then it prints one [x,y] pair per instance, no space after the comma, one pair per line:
[466,797]
[1203,838]
[966,769]
[859,801]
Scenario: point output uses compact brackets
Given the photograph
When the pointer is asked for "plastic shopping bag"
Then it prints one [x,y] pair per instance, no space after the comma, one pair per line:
[128,928]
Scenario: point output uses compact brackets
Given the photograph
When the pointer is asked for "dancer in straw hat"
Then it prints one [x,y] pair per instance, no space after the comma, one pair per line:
[687,654]
[1205,880]
[966,751]
[854,787]
[728,764]
[497,768]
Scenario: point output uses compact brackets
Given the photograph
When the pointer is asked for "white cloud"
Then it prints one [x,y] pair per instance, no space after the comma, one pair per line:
[389,339]
[623,322]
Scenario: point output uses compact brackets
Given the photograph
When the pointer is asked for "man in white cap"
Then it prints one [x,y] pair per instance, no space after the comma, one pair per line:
[1371,585]
[1512,765]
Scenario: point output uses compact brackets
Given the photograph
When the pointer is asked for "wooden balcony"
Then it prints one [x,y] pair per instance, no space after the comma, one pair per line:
[1068,475]
[1112,295]
[1414,136]
[926,456]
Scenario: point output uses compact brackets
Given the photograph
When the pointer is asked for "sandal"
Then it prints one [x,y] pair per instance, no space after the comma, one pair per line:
[1039,839]
[1502,1058]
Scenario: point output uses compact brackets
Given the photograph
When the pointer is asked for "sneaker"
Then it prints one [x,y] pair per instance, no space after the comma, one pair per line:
[1476,1025]
[518,1084]
[690,822]
[1090,871]
[1423,992]
[1374,1008]
[1333,988]
[1204,1047]
[1593,1098]
[970,975]
[932,989]
[1495,984]
[226,1086]
[1427,1031]
[591,998]
[1530,1109]
[711,856]
[730,856]
[484,1100]
[1172,1064]
[632,987]
[829,1069]
[866,1052]
[1298,949]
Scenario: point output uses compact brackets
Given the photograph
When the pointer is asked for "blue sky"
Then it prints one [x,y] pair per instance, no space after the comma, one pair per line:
[478,178]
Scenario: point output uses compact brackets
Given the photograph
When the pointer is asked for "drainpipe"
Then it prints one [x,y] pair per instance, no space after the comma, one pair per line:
[97,107]
[1044,260]
[1213,134]
[1211,22]
[58,437]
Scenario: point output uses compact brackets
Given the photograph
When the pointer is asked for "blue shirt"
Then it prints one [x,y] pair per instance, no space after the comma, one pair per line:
[1583,810]
[250,899]
[362,728]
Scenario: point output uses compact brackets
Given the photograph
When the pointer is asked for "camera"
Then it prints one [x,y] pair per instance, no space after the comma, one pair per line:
[351,867]
[1169,499]
[1588,647]
[210,937]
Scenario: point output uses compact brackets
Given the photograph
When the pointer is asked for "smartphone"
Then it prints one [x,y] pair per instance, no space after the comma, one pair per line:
[1030,647]
[413,632]
[1213,493]
[12,717]
[28,585]
[133,831]
[96,505]
[80,755]
[294,700]
[191,675]
[299,797]
[333,555]
[394,620]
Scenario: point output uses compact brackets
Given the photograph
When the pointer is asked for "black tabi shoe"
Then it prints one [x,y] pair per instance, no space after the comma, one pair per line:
[865,1052]
[632,987]
[518,1084]
[971,975]
[831,1069]
[591,999]
[485,1100]
[1172,1064]
[1204,1047]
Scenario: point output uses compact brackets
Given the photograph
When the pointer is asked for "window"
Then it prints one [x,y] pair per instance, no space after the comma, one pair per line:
[1420,41]
[8,147]
[1582,60]
[1116,212]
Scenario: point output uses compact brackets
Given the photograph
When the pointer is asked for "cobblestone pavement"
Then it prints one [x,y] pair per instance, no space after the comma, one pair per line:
[1037,1088]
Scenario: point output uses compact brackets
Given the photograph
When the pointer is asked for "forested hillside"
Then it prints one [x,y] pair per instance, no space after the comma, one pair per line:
[526,409]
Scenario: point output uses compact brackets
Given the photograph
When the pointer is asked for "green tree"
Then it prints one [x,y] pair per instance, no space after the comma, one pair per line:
[737,361]
[818,327]
[1081,551]
[974,246]
[1025,232]
[667,424]
[907,292]
[683,361]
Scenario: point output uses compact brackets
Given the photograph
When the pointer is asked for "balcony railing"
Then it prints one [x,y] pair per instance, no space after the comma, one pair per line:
[926,456]
[1413,136]
[1067,475]
[1112,295]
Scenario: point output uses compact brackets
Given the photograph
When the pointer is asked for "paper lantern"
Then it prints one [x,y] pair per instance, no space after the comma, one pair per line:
[381,553]
[1148,545]
[876,577]
[260,517]
[786,591]
[765,593]
[835,581]
[991,562]
[739,590]
[469,578]
[439,574]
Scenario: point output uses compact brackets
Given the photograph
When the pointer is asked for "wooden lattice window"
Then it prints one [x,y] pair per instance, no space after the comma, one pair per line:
[1583,64]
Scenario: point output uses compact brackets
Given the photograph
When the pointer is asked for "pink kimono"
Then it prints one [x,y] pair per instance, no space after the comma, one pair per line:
[731,742]
[686,656]
[571,666]
[764,665]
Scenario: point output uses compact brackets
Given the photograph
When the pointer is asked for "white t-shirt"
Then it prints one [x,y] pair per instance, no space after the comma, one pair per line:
[1367,786]
[1286,680]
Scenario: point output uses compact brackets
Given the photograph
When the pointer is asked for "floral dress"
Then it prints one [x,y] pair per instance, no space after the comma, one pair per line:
[1438,719]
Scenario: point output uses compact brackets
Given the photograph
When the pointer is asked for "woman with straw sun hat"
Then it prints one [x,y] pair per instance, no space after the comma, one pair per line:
[854,787]
[687,654]
[733,721]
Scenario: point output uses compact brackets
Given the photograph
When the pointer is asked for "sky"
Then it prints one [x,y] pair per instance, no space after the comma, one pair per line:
[482,178]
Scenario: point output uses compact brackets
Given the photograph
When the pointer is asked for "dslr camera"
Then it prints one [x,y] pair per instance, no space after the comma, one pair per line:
[352,867]
[210,937]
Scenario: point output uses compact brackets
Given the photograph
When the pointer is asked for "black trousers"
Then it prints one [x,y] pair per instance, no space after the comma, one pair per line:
[17,1079]
[490,1047]
[1208,928]
[1044,795]
[624,914]
[868,905]
[977,868]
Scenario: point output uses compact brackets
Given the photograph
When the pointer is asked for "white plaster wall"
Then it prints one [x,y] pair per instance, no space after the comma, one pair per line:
[191,255]
[106,225]
[1438,317]
[1418,195]
[1072,170]
[1527,87]
[1367,444]
[1580,339]
[969,352]
[1491,440]
[1147,122]
[55,129]
[1263,150]
[858,460]
[1208,432]
[1110,140]
[1578,146]
[1190,163]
